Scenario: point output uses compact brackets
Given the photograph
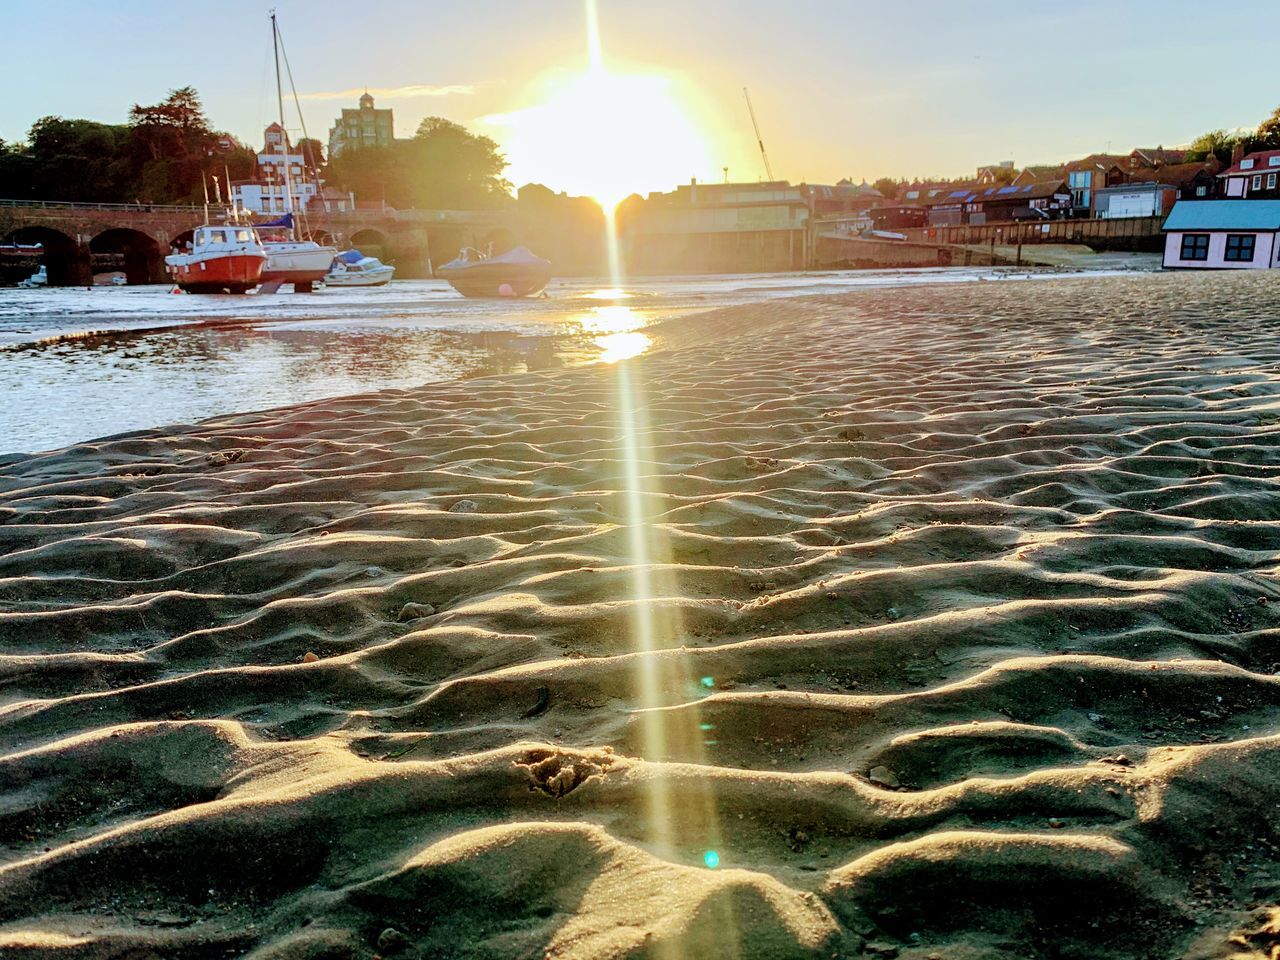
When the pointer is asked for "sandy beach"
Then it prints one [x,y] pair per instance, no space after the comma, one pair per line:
[934,622]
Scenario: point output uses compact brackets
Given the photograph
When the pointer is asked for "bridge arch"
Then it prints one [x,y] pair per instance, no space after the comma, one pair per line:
[370,242]
[143,258]
[65,261]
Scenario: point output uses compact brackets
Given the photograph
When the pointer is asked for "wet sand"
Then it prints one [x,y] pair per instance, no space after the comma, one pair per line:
[932,622]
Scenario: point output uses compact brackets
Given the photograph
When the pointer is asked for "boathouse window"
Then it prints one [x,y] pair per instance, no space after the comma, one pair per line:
[1195,246]
[1257,182]
[1271,181]
[1239,247]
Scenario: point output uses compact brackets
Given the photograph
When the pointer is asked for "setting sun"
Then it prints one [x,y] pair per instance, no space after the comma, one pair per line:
[603,134]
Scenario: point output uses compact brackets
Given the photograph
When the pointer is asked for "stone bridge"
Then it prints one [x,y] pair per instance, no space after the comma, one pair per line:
[72,234]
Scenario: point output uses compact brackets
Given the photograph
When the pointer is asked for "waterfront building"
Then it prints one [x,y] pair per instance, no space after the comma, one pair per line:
[1251,177]
[364,126]
[1135,200]
[1222,235]
[718,227]
[266,193]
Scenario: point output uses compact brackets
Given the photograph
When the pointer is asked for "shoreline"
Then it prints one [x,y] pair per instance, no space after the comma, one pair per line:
[191,368]
[935,619]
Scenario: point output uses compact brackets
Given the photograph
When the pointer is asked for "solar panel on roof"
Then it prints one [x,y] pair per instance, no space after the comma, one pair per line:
[1007,190]
[1028,188]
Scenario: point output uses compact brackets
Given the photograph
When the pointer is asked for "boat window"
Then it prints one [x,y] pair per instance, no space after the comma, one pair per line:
[217,236]
[244,236]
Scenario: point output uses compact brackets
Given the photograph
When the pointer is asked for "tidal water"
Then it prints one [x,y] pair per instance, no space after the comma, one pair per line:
[77,364]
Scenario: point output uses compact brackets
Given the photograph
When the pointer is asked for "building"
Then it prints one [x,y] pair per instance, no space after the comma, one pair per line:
[1223,235]
[1252,177]
[365,126]
[1154,157]
[1135,200]
[1092,173]
[718,227]
[271,191]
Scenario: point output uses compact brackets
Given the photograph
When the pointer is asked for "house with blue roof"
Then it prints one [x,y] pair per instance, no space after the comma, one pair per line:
[1222,235]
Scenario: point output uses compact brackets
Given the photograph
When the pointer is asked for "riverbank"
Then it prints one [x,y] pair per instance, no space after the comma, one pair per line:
[97,351]
[937,620]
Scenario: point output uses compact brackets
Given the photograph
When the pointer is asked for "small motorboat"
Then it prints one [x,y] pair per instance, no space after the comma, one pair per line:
[517,273]
[351,268]
[225,259]
[38,279]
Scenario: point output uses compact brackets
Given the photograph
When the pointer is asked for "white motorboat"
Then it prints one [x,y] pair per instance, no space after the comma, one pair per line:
[351,268]
[300,262]
[38,279]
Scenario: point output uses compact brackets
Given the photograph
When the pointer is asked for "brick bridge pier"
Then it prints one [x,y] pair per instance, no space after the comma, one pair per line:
[73,233]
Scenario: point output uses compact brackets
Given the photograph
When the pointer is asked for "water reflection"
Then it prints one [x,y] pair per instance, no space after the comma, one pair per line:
[616,327]
[166,359]
[621,346]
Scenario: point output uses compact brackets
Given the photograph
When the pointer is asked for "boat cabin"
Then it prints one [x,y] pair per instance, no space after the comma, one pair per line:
[1223,235]
[230,236]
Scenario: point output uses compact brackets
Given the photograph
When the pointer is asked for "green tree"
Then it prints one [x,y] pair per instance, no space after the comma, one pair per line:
[444,166]
[886,187]
[1215,143]
[173,147]
[1268,135]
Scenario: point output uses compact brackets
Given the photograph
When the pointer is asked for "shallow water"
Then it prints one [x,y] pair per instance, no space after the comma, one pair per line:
[77,364]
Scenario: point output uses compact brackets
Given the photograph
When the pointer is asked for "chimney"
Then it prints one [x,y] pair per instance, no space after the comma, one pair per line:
[1237,153]
[693,189]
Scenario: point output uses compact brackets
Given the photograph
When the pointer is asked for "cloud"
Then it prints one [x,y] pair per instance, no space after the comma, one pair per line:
[394,93]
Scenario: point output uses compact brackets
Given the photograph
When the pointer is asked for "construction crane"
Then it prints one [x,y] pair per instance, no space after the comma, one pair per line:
[759,140]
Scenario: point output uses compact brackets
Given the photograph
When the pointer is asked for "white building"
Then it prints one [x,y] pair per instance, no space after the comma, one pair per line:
[267,194]
[1222,235]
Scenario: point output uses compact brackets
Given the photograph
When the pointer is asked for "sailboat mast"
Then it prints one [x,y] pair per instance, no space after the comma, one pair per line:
[284,136]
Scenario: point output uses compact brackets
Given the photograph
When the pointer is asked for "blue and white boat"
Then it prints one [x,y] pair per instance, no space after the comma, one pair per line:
[351,268]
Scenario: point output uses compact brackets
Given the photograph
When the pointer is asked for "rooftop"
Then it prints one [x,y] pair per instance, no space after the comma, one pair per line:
[1224,215]
[1258,162]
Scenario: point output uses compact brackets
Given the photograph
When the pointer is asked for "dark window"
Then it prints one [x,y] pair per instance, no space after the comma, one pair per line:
[1195,246]
[1239,246]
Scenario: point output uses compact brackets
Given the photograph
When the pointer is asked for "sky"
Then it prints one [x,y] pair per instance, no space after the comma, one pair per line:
[842,88]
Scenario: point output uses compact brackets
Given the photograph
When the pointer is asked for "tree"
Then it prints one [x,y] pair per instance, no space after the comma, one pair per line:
[76,160]
[444,166]
[1215,143]
[312,151]
[1268,135]
[172,146]
[886,187]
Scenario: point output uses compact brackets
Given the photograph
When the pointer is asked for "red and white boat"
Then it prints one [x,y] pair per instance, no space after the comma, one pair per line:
[220,259]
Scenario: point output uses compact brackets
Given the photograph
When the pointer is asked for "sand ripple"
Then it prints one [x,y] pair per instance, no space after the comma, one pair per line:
[940,621]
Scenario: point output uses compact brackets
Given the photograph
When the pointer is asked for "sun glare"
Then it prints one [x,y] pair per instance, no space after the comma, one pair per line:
[603,134]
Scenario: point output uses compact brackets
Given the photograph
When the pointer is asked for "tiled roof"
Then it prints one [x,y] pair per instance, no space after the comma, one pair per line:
[1262,163]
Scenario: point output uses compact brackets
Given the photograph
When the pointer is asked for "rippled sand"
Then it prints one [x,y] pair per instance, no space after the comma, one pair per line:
[938,620]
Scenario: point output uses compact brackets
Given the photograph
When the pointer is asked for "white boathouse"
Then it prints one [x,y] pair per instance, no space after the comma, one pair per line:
[1222,235]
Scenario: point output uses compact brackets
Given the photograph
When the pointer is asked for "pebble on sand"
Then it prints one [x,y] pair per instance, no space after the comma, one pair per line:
[309,657]
[415,611]
[464,506]
[884,777]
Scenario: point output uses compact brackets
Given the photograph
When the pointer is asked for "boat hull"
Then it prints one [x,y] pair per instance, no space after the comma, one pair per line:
[377,280]
[300,263]
[497,280]
[232,272]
